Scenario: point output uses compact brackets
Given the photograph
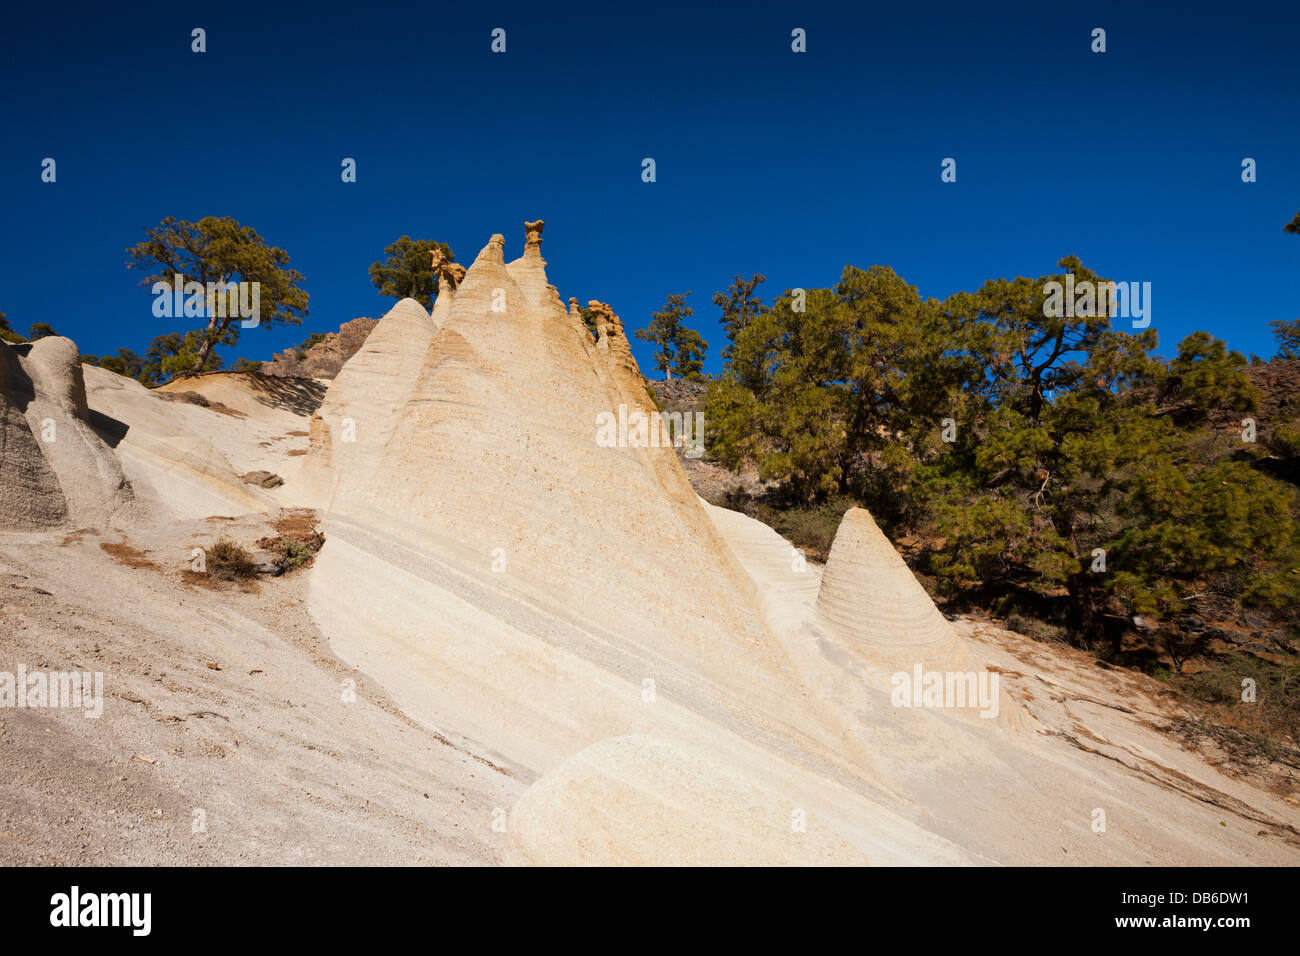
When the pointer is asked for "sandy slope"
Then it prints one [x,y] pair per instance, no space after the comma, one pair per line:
[560,653]
[284,770]
[186,460]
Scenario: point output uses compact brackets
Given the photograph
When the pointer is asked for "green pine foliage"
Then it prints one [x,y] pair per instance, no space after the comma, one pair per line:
[677,348]
[408,273]
[7,334]
[1054,456]
[217,249]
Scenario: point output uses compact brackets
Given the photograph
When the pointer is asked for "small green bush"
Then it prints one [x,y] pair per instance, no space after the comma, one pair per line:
[294,554]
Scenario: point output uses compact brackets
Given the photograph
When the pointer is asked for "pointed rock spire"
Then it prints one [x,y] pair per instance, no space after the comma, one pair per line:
[494,251]
[529,270]
[871,598]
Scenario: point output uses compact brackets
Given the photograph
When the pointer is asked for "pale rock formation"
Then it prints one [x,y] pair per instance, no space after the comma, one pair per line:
[529,270]
[533,233]
[643,801]
[605,328]
[654,680]
[30,495]
[47,387]
[522,392]
[354,422]
[449,273]
[184,460]
[484,494]
[872,599]
[872,602]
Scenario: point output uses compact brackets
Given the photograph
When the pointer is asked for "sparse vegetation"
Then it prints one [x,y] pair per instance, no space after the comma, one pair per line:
[228,561]
[125,554]
[295,554]
[1262,729]
[297,540]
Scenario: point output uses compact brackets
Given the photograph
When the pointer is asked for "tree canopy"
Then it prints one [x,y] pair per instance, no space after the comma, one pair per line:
[677,348]
[220,251]
[1019,445]
[7,334]
[408,271]
[1288,332]
[740,305]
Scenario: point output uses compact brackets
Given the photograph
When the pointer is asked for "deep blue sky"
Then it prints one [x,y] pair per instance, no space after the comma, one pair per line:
[790,165]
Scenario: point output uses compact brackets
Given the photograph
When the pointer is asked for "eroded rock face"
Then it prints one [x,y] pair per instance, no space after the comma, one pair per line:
[533,232]
[449,273]
[326,358]
[30,495]
[606,329]
[871,596]
[54,467]
[485,547]
[349,430]
[494,446]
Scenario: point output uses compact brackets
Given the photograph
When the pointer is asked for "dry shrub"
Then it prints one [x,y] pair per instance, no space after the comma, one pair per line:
[125,554]
[228,561]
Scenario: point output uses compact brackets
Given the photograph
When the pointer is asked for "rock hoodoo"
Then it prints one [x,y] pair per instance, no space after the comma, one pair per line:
[54,467]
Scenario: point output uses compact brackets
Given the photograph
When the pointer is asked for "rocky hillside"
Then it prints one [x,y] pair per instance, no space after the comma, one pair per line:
[326,357]
[712,482]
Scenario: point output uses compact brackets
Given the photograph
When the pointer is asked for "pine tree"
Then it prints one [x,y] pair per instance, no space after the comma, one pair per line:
[408,273]
[219,249]
[666,330]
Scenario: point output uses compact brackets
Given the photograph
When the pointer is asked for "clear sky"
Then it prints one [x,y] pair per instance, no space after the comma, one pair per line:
[792,165]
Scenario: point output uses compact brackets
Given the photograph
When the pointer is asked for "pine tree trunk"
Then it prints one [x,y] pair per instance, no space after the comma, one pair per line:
[206,348]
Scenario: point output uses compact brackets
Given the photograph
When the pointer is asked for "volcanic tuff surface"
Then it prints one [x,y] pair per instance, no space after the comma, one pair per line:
[608,668]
